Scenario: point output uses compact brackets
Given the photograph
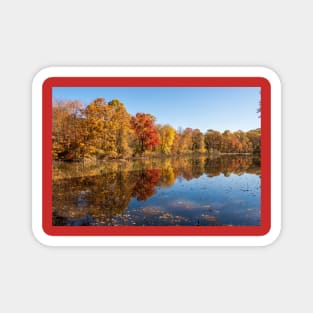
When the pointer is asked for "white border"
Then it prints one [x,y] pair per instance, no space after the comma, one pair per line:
[156,240]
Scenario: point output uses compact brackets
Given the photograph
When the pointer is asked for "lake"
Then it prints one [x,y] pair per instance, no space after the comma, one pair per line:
[185,191]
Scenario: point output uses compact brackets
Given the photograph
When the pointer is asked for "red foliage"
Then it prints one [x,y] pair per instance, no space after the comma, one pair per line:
[146,133]
[145,184]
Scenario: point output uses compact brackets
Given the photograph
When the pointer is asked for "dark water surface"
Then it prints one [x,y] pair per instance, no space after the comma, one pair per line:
[158,192]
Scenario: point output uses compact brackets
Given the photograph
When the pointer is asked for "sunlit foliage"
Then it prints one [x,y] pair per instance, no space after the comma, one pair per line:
[104,130]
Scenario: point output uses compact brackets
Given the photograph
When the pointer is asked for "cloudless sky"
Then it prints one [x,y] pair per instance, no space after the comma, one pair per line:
[217,108]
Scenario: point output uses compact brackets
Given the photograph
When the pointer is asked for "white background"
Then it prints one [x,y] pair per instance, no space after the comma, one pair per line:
[36,34]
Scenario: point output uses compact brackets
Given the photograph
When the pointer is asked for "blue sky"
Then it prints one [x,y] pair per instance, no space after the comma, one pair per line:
[217,108]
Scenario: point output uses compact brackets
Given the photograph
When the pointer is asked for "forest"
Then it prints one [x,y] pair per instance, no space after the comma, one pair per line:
[105,130]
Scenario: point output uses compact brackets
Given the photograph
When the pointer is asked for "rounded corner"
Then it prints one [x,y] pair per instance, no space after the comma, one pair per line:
[270,75]
[41,236]
[271,236]
[43,75]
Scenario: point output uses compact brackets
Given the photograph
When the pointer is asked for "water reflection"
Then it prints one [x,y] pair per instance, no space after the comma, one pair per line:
[169,191]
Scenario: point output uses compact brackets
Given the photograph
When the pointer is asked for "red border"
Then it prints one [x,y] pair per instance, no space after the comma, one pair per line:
[157,82]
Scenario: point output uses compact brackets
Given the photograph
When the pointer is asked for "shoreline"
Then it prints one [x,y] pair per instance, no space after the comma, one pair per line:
[158,156]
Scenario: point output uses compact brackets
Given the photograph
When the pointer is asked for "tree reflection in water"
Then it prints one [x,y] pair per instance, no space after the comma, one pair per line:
[100,193]
[146,180]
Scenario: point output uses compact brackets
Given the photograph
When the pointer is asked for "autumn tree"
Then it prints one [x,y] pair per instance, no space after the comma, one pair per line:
[213,140]
[145,132]
[197,139]
[175,145]
[107,130]
[245,145]
[186,144]
[226,141]
[255,139]
[178,145]
[166,138]
[67,133]
[120,126]
[96,134]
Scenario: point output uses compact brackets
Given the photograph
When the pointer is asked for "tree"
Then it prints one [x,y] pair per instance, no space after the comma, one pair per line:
[96,135]
[107,130]
[66,129]
[167,136]
[243,140]
[175,145]
[255,139]
[213,140]
[120,125]
[145,132]
[186,141]
[197,141]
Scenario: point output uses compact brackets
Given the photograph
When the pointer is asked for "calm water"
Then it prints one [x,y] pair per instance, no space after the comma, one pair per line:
[177,191]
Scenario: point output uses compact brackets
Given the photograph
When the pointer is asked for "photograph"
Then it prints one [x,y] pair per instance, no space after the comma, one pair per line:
[144,156]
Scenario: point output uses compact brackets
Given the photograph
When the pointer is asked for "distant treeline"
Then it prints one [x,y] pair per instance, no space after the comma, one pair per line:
[106,130]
